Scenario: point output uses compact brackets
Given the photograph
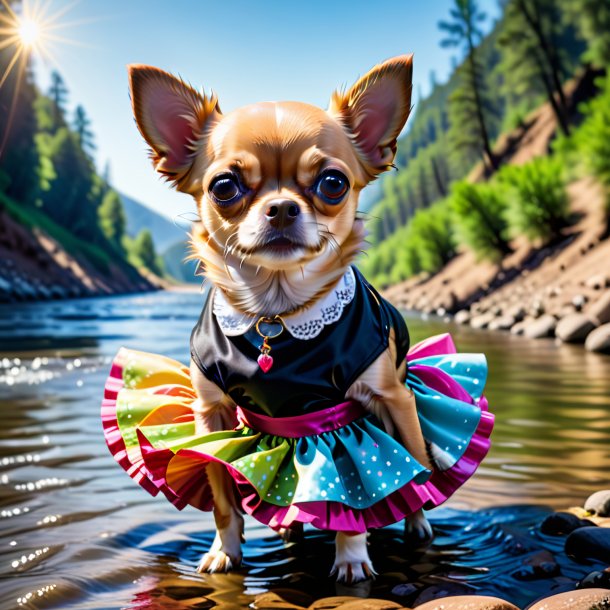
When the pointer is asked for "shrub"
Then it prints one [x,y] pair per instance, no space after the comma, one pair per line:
[479,213]
[538,204]
[593,136]
[431,236]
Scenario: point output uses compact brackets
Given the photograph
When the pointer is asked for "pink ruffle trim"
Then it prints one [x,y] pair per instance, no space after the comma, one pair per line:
[150,467]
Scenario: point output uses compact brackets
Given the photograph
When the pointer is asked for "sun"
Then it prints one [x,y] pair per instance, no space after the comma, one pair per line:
[28,28]
[29,32]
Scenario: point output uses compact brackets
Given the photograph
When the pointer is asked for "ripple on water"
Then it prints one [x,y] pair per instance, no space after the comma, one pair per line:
[76,532]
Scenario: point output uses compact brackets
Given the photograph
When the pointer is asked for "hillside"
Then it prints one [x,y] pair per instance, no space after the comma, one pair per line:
[41,260]
[164,232]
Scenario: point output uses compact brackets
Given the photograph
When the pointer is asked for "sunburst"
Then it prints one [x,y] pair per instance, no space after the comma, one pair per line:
[29,30]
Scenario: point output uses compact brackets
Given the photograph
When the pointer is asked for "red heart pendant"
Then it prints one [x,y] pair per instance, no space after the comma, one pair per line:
[265,361]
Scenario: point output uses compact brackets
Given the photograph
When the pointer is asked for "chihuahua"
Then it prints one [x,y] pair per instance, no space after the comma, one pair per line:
[276,186]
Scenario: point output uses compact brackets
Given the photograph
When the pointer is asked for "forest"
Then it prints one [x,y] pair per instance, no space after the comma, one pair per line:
[48,176]
[453,189]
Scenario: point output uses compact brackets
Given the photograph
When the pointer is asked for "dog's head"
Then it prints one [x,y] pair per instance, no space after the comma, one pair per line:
[276,183]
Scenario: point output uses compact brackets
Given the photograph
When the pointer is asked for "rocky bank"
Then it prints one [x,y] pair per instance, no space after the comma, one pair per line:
[34,266]
[560,290]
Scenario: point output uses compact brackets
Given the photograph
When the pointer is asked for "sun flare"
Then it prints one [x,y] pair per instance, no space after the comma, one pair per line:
[28,29]
[29,32]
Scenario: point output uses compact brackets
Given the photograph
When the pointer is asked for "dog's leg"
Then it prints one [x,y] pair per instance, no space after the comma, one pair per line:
[418,530]
[225,552]
[352,562]
[214,411]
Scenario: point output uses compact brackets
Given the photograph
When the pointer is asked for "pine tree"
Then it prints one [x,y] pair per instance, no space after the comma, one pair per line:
[464,31]
[592,19]
[531,58]
[58,93]
[82,128]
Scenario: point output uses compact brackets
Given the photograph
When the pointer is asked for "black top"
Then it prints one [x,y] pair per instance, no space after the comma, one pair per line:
[307,375]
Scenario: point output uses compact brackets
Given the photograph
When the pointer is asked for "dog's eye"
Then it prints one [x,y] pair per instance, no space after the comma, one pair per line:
[332,186]
[225,189]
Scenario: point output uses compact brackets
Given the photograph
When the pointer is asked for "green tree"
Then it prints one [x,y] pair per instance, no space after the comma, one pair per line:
[143,249]
[532,56]
[18,154]
[480,218]
[70,198]
[538,204]
[82,128]
[58,92]
[592,19]
[593,138]
[464,31]
[432,235]
[112,218]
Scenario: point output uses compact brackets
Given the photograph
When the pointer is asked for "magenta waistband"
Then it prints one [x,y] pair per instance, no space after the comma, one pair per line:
[303,425]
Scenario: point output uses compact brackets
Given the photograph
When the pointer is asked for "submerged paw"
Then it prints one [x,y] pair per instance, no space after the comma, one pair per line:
[418,531]
[216,561]
[352,572]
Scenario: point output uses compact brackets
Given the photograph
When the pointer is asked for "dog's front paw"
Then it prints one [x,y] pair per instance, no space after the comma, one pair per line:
[418,531]
[294,533]
[217,561]
[352,572]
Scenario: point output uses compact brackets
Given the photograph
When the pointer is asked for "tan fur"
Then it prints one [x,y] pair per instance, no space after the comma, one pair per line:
[278,150]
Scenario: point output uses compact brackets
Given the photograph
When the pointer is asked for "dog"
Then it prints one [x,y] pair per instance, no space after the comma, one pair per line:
[276,186]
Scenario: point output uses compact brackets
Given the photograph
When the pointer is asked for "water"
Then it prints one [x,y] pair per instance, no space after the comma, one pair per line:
[76,532]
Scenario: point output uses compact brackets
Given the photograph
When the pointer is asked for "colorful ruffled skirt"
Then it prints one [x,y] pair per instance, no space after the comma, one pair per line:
[336,469]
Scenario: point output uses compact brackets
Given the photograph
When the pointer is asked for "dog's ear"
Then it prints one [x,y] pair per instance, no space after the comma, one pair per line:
[173,118]
[374,111]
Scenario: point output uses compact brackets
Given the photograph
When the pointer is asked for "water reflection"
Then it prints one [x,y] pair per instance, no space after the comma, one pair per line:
[76,532]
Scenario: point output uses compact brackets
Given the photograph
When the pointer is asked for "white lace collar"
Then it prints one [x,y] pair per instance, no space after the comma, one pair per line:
[304,325]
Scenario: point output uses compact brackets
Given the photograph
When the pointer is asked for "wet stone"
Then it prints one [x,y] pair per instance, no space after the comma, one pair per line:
[469,602]
[539,565]
[574,328]
[584,599]
[502,323]
[561,523]
[589,543]
[462,317]
[599,503]
[405,589]
[598,340]
[441,591]
[599,580]
[600,310]
[542,327]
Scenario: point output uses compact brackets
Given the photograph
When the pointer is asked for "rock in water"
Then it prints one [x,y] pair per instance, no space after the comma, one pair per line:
[563,523]
[598,340]
[502,323]
[482,320]
[544,326]
[599,312]
[462,317]
[469,602]
[589,543]
[595,580]
[583,599]
[574,328]
[599,503]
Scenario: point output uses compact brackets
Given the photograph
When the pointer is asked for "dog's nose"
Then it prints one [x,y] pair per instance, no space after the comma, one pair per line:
[281,213]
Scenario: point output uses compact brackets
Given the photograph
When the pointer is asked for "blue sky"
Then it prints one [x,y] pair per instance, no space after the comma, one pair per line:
[245,51]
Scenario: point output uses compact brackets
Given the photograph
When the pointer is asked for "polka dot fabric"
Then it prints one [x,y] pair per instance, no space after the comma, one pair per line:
[348,476]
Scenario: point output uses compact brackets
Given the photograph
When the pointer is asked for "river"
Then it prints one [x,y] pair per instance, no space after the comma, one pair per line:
[76,532]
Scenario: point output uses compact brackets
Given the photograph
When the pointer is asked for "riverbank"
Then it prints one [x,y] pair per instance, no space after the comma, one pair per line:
[36,266]
[69,509]
[559,290]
